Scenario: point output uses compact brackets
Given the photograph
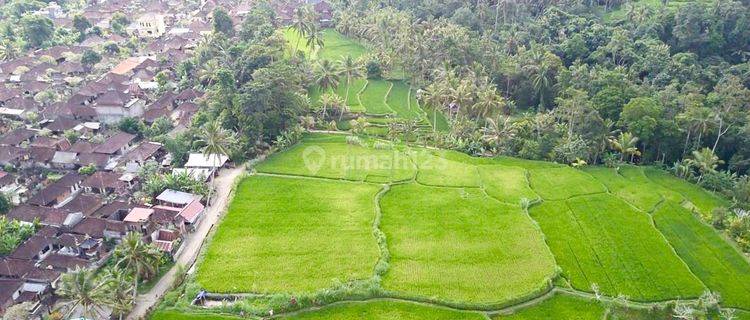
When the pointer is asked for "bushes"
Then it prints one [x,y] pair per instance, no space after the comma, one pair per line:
[13,233]
[156,183]
[374,71]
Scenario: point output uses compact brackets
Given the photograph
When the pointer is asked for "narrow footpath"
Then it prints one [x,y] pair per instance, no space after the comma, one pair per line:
[192,243]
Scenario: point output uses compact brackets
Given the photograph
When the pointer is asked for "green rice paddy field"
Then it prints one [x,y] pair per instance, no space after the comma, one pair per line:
[455,235]
[373,98]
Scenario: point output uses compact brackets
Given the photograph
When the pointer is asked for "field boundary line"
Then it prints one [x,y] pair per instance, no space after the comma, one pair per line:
[671,246]
[300,176]
[385,97]
[359,94]
[382,266]
[722,235]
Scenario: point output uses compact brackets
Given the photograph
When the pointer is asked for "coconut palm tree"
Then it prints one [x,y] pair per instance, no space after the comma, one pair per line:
[350,68]
[83,290]
[314,39]
[488,102]
[625,144]
[705,161]
[359,125]
[698,120]
[541,74]
[119,294]
[327,75]
[496,133]
[205,72]
[137,256]
[8,51]
[217,142]
[301,25]
[331,100]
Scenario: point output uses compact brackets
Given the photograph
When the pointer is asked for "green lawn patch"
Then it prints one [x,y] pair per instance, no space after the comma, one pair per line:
[601,240]
[273,239]
[559,307]
[340,160]
[403,102]
[385,310]
[373,97]
[702,200]
[563,182]
[720,266]
[506,184]
[459,245]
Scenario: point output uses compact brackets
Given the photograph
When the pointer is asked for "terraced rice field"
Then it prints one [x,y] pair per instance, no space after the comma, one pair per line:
[455,234]
[436,169]
[176,315]
[559,306]
[460,245]
[562,183]
[643,195]
[713,260]
[402,101]
[374,96]
[289,243]
[336,45]
[600,239]
[352,99]
[385,310]
[506,184]
[697,198]
[339,160]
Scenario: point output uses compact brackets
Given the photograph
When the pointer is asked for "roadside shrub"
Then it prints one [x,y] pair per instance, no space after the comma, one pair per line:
[353,140]
[380,145]
[719,217]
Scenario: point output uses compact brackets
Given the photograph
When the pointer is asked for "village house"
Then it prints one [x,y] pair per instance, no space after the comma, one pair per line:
[84,203]
[11,187]
[104,183]
[138,218]
[117,144]
[35,248]
[114,105]
[61,124]
[149,25]
[16,137]
[80,246]
[11,156]
[101,228]
[58,191]
[64,160]
[205,161]
[165,240]
[140,155]
[186,207]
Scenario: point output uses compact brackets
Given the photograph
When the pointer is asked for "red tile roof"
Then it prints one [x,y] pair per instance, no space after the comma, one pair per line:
[115,143]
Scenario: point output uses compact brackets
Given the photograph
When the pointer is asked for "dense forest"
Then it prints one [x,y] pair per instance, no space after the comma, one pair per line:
[664,82]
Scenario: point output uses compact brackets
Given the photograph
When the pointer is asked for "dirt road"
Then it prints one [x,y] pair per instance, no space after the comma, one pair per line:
[192,243]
